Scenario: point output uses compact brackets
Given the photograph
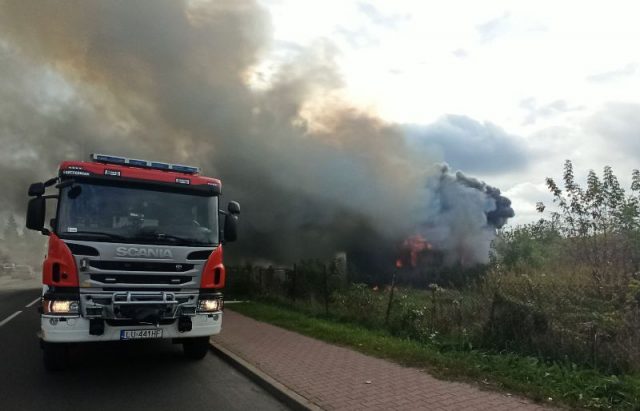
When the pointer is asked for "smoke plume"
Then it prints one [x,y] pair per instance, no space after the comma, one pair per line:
[168,80]
[462,215]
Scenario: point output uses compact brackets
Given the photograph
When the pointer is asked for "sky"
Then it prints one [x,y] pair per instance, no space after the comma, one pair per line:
[504,90]
[328,120]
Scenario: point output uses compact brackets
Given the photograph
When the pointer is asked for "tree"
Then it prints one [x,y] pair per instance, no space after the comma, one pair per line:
[525,247]
[601,223]
[11,230]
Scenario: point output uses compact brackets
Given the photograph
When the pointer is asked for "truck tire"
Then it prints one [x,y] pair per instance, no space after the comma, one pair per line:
[196,348]
[54,356]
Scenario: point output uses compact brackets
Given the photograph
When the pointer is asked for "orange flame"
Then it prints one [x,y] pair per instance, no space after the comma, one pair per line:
[414,245]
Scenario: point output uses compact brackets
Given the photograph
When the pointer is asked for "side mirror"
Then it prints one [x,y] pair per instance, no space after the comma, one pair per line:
[35,213]
[230,232]
[234,207]
[36,189]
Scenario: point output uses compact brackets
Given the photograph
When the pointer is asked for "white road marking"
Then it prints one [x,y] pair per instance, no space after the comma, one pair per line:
[33,302]
[233,302]
[9,318]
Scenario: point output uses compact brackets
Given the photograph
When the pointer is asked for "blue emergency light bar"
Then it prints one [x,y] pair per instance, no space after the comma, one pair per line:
[104,158]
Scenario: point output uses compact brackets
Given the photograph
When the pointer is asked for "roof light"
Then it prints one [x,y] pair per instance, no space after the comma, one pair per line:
[185,169]
[108,159]
[160,166]
[180,168]
[138,163]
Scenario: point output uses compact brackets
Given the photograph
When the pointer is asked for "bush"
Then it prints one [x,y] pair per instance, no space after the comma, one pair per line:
[566,288]
[359,303]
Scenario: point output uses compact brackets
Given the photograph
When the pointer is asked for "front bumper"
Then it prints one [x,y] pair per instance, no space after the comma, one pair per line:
[76,328]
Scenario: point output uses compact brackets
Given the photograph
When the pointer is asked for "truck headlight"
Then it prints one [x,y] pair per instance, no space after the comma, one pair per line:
[61,307]
[208,305]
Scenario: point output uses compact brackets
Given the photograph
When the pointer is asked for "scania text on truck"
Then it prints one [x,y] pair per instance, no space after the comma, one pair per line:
[134,252]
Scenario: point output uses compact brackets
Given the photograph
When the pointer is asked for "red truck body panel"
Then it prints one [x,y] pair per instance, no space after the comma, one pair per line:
[127,171]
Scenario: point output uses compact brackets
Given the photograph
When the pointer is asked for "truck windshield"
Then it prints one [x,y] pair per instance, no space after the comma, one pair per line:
[137,215]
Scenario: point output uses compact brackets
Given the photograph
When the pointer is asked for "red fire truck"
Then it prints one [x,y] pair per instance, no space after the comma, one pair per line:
[135,252]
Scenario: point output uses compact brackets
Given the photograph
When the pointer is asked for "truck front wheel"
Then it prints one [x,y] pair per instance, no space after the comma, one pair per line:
[54,356]
[196,348]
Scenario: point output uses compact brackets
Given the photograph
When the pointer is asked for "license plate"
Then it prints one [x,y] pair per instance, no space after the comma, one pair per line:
[140,334]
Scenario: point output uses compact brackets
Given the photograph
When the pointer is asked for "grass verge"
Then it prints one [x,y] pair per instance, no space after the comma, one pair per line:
[566,384]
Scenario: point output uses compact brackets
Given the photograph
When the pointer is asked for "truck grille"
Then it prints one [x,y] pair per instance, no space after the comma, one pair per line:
[141,279]
[199,255]
[140,266]
[80,249]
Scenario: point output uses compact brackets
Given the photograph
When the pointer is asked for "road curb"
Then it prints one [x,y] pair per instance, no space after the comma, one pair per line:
[290,398]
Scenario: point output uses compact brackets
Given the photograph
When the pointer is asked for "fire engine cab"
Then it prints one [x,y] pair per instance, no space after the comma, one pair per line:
[134,252]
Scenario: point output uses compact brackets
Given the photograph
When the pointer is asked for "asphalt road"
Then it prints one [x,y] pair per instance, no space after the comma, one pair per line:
[113,376]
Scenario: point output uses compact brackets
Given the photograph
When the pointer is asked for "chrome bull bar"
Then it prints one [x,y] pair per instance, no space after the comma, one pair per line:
[144,306]
[143,298]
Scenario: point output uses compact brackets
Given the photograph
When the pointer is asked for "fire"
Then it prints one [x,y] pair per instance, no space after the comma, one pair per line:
[412,246]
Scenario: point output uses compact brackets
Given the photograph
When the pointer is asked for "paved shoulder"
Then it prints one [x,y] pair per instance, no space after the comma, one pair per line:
[334,377]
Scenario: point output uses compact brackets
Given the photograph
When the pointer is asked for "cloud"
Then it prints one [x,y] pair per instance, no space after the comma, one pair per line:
[494,28]
[619,126]
[367,29]
[614,75]
[469,145]
[460,53]
[510,26]
[358,38]
[390,21]
[524,197]
[535,111]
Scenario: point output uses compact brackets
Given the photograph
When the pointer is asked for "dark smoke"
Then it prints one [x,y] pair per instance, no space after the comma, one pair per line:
[501,212]
[167,80]
[462,216]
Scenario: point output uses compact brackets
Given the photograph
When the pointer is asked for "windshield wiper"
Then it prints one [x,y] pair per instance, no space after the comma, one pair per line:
[99,234]
[174,238]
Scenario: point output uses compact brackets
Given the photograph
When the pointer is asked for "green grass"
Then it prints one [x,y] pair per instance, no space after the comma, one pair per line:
[566,384]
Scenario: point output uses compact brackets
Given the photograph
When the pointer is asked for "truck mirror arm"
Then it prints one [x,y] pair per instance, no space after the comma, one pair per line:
[66,183]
